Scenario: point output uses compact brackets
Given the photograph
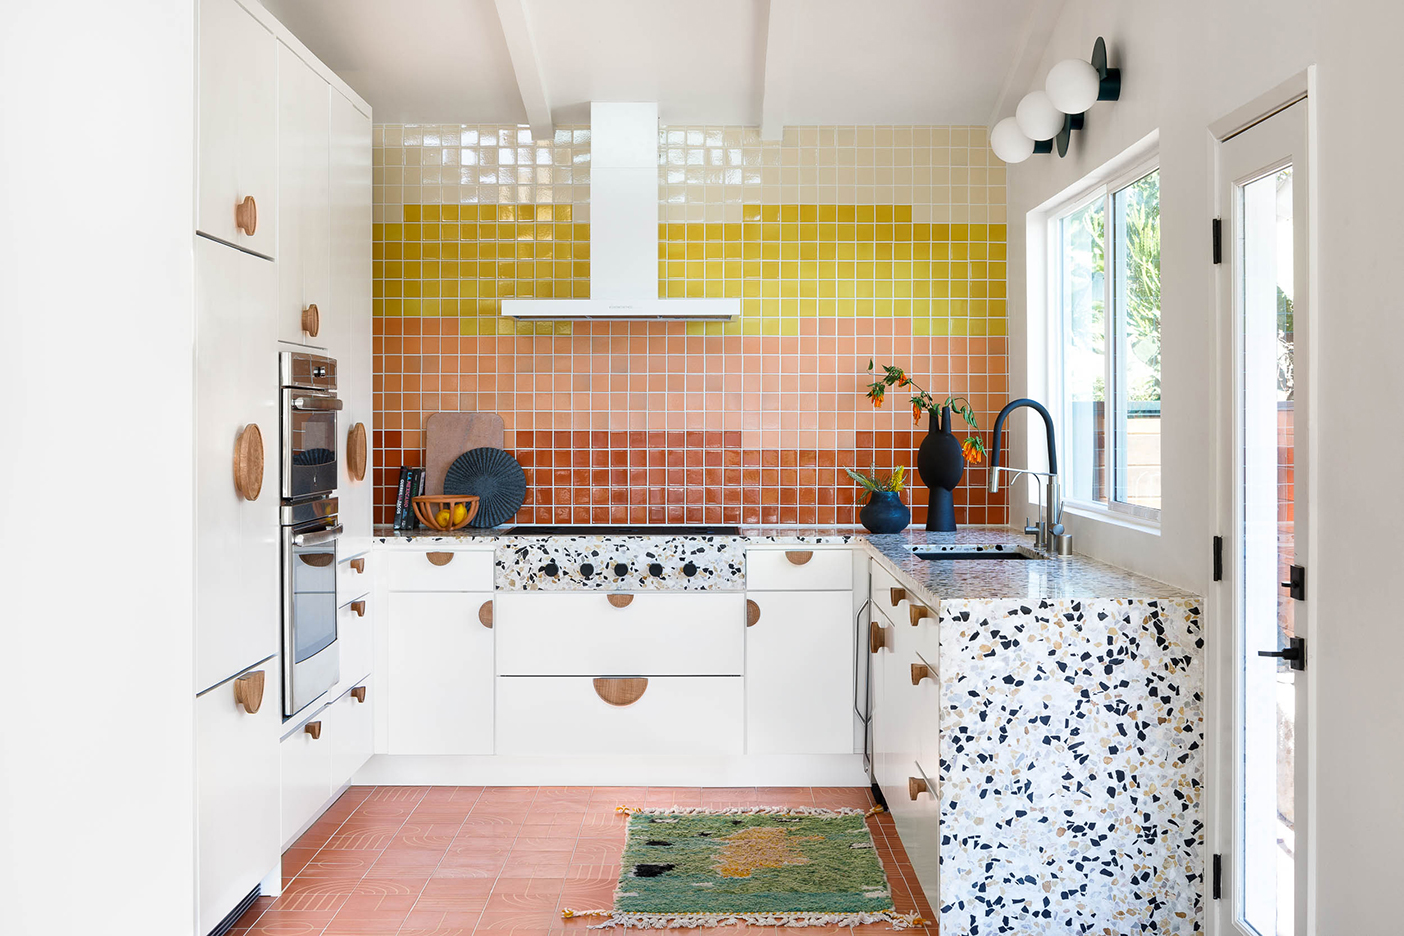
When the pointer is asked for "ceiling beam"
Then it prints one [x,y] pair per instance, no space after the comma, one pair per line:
[782,19]
[1033,42]
[521,46]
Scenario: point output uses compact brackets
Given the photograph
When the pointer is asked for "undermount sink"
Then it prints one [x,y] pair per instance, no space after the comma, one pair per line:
[982,552]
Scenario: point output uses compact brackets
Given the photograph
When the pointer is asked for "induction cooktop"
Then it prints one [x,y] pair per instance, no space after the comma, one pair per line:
[625,530]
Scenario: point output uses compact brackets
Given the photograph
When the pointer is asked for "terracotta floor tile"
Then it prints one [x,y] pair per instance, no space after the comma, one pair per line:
[291,923]
[355,922]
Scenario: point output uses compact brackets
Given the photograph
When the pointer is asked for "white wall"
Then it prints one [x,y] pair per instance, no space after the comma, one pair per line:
[1185,65]
[96,214]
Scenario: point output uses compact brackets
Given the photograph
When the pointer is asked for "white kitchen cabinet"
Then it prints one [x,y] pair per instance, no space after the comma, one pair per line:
[348,319]
[237,776]
[440,672]
[237,609]
[238,127]
[352,732]
[568,715]
[306,758]
[600,634]
[304,211]
[799,570]
[799,674]
[355,635]
[454,570]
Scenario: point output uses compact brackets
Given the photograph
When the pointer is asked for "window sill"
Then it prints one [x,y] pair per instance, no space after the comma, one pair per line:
[1113,518]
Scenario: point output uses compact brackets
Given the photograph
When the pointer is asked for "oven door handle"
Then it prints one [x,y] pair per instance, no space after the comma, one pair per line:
[316,403]
[317,538]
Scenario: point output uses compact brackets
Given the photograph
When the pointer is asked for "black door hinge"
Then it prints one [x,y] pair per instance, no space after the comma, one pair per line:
[1218,558]
[1216,885]
[1218,240]
[1296,583]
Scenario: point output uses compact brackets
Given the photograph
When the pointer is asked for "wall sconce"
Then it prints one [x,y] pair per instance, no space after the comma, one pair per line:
[1045,119]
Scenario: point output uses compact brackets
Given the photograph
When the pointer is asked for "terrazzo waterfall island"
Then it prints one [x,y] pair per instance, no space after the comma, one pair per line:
[1070,720]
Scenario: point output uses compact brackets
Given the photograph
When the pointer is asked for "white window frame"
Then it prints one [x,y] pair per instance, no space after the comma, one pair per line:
[1057,330]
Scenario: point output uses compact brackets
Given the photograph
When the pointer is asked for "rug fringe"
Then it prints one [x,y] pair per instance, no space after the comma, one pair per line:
[899,921]
[745,811]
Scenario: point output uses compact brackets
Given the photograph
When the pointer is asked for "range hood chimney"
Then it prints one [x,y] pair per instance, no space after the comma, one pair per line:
[623,229]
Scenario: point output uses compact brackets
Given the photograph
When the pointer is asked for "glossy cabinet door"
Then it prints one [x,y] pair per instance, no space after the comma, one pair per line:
[304,213]
[352,729]
[237,607]
[237,773]
[347,318]
[440,674]
[799,674]
[306,769]
[238,125]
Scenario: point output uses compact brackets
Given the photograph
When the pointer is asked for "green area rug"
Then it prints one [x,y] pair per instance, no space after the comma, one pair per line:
[764,867]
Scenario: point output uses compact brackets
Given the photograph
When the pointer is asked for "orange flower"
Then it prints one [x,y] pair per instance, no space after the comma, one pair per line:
[903,380]
[877,401]
[972,453]
[916,412]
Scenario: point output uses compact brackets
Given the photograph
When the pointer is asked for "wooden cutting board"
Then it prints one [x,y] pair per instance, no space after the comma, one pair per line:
[449,435]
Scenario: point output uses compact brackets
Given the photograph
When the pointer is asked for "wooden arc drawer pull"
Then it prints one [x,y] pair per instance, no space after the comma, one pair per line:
[920,671]
[752,613]
[916,786]
[356,452]
[877,637]
[311,320]
[918,611]
[358,565]
[621,600]
[359,606]
[799,557]
[316,560]
[248,462]
[248,691]
[314,728]
[621,691]
[485,614]
[439,558]
[359,693]
[246,215]
[898,596]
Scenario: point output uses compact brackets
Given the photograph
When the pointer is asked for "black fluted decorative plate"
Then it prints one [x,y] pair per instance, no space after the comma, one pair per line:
[497,480]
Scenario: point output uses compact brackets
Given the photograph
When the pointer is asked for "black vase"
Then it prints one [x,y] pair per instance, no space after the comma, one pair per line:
[941,463]
[885,513]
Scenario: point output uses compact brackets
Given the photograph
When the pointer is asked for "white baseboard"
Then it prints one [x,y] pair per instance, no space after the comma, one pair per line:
[615,770]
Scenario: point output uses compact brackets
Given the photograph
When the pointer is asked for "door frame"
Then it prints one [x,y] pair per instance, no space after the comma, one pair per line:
[1221,640]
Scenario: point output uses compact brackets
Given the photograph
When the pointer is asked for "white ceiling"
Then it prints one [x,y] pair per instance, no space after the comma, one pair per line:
[704,61]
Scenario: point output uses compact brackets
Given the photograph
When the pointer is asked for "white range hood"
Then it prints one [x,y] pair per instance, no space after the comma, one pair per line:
[623,229]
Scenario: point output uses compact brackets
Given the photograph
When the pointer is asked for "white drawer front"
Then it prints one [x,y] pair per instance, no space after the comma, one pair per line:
[352,734]
[356,637]
[353,576]
[584,634]
[306,769]
[799,569]
[440,570]
[698,715]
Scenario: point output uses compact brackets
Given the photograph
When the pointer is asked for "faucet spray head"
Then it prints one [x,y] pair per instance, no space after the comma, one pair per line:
[993,485]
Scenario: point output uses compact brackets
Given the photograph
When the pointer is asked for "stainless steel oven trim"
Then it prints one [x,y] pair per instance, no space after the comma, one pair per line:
[317,538]
[324,667]
[318,402]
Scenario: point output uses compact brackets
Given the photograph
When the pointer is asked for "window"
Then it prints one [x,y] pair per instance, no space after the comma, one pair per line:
[1105,306]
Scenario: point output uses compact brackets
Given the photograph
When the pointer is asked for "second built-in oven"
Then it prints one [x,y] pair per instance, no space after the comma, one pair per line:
[310,406]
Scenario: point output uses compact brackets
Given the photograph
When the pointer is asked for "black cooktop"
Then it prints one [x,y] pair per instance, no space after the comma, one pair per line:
[607,530]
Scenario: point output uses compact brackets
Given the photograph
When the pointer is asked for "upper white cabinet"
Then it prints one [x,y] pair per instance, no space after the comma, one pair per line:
[238,128]
[304,209]
[236,422]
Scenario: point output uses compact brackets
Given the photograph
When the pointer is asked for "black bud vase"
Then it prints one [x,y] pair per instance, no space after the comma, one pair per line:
[941,463]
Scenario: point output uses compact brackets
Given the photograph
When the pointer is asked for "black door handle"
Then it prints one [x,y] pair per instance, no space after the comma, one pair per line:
[1295,654]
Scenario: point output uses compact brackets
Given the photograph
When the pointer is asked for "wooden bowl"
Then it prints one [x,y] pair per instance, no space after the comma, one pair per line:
[427,506]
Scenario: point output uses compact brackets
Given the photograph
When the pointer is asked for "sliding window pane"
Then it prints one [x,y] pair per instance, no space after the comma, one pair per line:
[1082,296]
[1136,295]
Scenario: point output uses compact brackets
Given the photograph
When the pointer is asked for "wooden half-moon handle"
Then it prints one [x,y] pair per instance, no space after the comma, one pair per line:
[316,560]
[246,215]
[359,606]
[248,462]
[621,691]
[799,557]
[314,728]
[920,671]
[898,596]
[621,600]
[311,320]
[918,611]
[358,565]
[248,691]
[439,558]
[485,614]
[356,452]
[752,613]
[916,786]
[359,693]
[877,637]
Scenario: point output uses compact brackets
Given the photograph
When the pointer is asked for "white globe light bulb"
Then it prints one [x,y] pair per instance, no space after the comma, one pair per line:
[1009,142]
[1072,86]
[1037,116]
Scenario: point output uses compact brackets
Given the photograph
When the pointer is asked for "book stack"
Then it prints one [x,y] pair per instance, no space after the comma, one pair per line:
[411,486]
